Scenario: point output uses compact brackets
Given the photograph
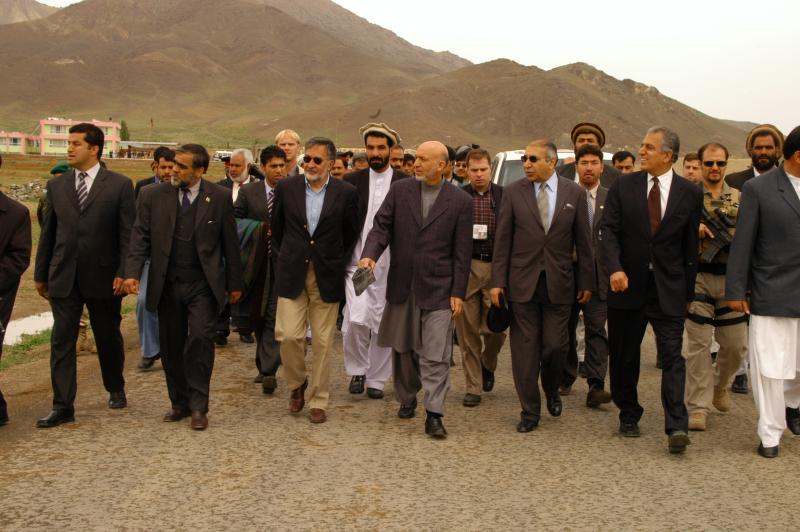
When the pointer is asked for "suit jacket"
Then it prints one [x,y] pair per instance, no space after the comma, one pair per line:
[430,259]
[765,254]
[252,202]
[227,182]
[601,272]
[328,249]
[214,233]
[607,178]
[143,183]
[89,247]
[738,179]
[627,244]
[522,250]
[15,243]
[360,180]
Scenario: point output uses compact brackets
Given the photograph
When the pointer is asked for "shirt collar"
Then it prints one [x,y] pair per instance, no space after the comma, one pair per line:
[194,189]
[325,186]
[756,173]
[91,172]
[663,179]
[268,188]
[552,182]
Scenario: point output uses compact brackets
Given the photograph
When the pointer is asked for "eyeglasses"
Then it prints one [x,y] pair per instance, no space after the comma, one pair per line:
[317,160]
[720,164]
[532,158]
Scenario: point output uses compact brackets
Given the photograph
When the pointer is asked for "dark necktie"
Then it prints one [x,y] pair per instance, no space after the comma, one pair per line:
[270,197]
[654,206]
[185,203]
[83,192]
[590,208]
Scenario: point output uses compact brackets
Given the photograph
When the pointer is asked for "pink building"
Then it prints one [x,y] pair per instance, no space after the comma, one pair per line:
[18,143]
[54,132]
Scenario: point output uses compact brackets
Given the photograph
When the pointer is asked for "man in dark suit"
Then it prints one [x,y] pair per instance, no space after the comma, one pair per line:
[589,161]
[80,261]
[428,223]
[163,158]
[543,221]
[15,256]
[583,134]
[763,144]
[314,228]
[650,243]
[189,234]
[256,202]
[765,260]
[369,364]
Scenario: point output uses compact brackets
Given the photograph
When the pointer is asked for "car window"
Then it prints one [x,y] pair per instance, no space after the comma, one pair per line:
[510,171]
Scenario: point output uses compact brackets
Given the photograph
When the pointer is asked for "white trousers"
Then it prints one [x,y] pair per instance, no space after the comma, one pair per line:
[773,395]
[363,356]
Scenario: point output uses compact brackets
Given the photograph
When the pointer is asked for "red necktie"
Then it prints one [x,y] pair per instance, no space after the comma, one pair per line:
[654,206]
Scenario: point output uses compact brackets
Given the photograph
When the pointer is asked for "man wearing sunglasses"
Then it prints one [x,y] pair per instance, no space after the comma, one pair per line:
[709,314]
[314,228]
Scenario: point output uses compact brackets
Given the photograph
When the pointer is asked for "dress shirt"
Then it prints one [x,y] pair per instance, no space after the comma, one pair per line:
[593,194]
[483,213]
[91,173]
[664,182]
[314,202]
[551,187]
[194,190]
[795,182]
[267,187]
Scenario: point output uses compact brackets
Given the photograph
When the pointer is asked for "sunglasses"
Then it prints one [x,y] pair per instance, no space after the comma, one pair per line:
[317,160]
[532,158]
[720,164]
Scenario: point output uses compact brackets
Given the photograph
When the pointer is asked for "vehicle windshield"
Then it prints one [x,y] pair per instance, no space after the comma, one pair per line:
[510,171]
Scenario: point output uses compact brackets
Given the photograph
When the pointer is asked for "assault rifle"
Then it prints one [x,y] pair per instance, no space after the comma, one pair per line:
[719,228]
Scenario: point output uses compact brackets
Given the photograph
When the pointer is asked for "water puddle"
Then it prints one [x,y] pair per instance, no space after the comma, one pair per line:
[30,325]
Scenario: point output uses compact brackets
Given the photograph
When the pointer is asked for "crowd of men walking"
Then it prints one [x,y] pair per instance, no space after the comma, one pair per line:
[404,265]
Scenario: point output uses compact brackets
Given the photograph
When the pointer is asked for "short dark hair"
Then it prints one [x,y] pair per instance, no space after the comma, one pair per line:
[322,141]
[791,144]
[477,155]
[621,156]
[707,145]
[451,154]
[271,152]
[691,156]
[92,134]
[408,157]
[389,140]
[199,154]
[159,152]
[588,149]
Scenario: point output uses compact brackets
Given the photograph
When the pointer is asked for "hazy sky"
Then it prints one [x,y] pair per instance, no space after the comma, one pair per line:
[729,59]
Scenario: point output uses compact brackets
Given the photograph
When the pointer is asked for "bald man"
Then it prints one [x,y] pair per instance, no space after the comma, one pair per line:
[429,227]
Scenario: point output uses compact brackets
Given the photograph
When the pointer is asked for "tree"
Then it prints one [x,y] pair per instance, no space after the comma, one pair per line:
[124,134]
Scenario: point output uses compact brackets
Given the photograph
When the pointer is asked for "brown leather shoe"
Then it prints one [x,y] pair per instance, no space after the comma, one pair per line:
[597,396]
[176,414]
[199,420]
[317,415]
[298,400]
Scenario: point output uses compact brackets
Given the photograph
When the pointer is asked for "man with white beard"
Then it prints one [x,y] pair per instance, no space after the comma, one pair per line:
[367,362]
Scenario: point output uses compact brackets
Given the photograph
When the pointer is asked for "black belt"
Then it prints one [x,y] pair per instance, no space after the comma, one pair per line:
[484,257]
[714,268]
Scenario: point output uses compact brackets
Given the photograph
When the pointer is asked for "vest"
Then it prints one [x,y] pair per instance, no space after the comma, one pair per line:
[184,262]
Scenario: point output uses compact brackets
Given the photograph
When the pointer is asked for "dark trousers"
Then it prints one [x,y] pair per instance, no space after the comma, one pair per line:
[268,351]
[595,342]
[539,343]
[105,317]
[626,330]
[236,315]
[6,305]
[186,317]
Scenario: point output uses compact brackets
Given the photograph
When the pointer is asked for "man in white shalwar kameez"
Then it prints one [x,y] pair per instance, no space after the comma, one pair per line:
[765,259]
[369,364]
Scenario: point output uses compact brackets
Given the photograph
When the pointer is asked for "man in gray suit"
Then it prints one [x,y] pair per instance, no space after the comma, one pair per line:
[429,227]
[765,259]
[543,220]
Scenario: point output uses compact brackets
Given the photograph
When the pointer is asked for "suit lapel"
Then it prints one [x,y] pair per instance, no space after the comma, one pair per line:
[673,200]
[169,203]
[69,189]
[787,191]
[415,203]
[204,199]
[529,195]
[561,200]
[639,203]
[97,187]
[329,200]
[439,206]
[599,203]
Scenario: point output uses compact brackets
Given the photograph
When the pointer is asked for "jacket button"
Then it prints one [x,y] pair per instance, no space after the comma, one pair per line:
[306,261]
[311,242]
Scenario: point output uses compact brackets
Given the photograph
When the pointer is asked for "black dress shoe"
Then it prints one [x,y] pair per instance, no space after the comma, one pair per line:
[435,428]
[677,442]
[176,414]
[147,363]
[357,384]
[246,337]
[55,418]
[629,430]
[258,379]
[488,379]
[268,384]
[374,393]
[527,425]
[117,400]
[554,405]
[793,420]
[768,452]
[739,384]
[471,399]
[220,340]
[407,411]
[3,419]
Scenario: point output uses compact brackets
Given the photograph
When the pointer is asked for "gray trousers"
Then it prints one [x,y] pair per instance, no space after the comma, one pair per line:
[268,352]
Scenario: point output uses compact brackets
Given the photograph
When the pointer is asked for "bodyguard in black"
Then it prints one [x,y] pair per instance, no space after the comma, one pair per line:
[189,233]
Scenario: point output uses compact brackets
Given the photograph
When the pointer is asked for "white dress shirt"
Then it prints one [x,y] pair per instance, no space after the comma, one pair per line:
[91,173]
[664,182]
[796,182]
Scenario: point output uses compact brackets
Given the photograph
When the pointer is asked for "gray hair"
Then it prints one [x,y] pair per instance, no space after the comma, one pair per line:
[322,141]
[551,151]
[670,140]
[248,155]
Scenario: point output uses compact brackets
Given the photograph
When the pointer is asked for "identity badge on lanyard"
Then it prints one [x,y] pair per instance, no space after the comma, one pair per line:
[480,231]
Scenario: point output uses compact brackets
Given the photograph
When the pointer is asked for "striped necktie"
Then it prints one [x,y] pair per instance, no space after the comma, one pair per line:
[83,192]
[543,202]
[590,208]
[270,198]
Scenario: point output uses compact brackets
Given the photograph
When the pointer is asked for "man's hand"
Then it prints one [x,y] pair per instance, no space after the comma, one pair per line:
[234,297]
[619,282]
[705,232]
[131,286]
[366,262]
[495,295]
[457,306]
[42,289]
[739,305]
[584,296]
[118,286]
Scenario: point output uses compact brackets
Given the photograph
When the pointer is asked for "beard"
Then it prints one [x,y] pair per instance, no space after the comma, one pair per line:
[313,178]
[378,163]
[242,178]
[762,163]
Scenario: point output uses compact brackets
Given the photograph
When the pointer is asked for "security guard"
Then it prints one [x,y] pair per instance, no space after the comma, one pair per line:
[708,314]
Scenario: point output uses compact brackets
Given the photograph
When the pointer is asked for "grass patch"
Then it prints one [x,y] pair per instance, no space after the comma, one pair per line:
[19,353]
